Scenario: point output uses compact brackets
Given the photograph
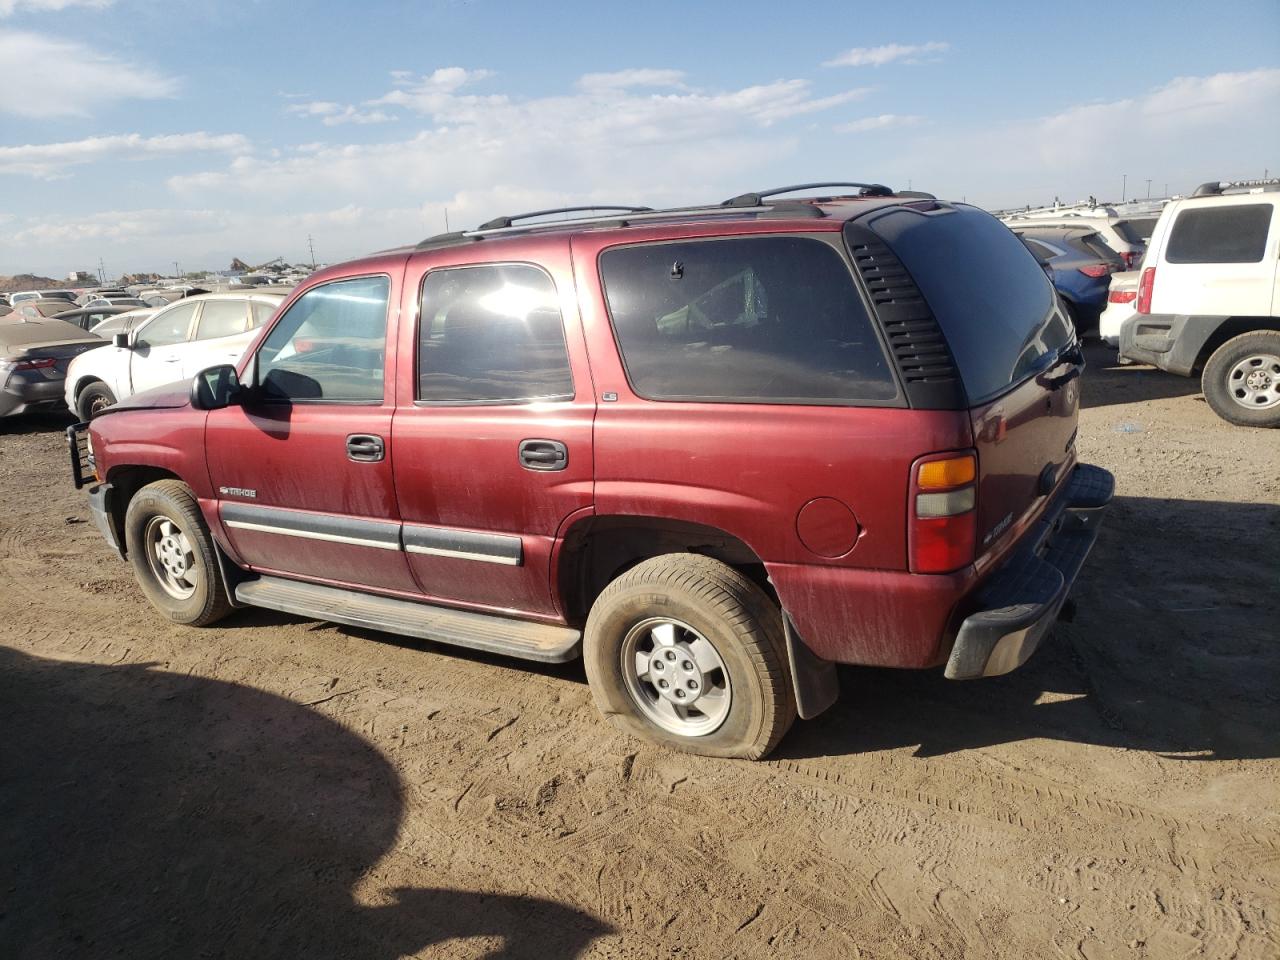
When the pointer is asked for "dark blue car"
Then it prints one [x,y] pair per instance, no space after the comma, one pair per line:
[1080,265]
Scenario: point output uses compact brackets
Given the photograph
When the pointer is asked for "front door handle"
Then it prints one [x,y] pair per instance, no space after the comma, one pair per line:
[543,455]
[365,448]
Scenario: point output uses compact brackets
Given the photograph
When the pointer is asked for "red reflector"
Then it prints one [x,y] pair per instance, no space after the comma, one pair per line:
[39,363]
[1145,287]
[943,544]
[1122,296]
[1095,270]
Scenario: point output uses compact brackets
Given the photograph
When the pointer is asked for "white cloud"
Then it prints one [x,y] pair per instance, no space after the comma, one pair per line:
[48,160]
[879,56]
[880,122]
[625,79]
[9,7]
[46,76]
[334,114]
[1184,132]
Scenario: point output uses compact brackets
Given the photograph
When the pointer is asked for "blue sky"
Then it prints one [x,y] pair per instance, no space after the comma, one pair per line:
[148,131]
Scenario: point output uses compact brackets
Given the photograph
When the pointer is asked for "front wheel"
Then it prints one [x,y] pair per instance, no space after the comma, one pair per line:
[1241,381]
[173,554]
[93,400]
[686,651]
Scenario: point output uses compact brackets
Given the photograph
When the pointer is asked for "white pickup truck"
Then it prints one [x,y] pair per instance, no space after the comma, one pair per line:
[174,344]
[1208,301]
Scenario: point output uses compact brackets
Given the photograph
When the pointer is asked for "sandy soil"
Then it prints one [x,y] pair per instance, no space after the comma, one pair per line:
[280,788]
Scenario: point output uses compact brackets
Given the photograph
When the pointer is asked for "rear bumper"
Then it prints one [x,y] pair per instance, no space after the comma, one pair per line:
[30,391]
[1169,341]
[1019,603]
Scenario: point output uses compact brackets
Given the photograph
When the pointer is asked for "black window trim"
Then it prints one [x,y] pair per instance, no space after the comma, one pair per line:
[835,241]
[265,331]
[512,402]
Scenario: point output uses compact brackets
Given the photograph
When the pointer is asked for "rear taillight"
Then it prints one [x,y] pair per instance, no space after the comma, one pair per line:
[1095,270]
[1145,287]
[1122,296]
[943,527]
[38,363]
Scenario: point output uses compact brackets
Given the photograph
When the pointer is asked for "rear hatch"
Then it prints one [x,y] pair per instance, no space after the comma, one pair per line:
[1011,348]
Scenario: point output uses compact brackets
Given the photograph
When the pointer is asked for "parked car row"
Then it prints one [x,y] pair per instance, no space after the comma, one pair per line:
[92,356]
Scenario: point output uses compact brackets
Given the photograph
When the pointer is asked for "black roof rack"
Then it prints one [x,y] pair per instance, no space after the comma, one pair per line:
[501,223]
[755,199]
[625,215]
[1215,188]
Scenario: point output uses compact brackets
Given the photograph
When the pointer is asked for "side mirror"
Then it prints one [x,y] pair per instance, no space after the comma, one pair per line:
[121,340]
[215,388]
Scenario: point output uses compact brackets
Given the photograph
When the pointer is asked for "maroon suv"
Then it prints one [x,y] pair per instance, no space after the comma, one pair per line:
[712,450]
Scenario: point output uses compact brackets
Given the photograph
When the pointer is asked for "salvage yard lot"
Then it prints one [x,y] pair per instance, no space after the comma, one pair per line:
[283,788]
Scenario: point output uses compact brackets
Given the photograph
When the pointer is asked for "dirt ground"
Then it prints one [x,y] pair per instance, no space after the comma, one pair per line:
[274,787]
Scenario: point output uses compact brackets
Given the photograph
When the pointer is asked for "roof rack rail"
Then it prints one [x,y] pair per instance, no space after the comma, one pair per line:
[1215,188]
[501,223]
[756,198]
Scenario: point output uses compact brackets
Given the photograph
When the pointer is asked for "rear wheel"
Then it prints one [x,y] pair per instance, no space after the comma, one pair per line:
[686,651]
[173,554]
[93,400]
[1241,381]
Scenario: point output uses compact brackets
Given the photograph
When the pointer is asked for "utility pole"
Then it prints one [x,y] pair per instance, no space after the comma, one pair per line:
[1124,186]
[176,272]
[102,276]
[1148,188]
[446,219]
[312,247]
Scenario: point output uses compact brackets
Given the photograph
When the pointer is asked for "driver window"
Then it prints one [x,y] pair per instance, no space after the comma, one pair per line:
[168,328]
[330,345]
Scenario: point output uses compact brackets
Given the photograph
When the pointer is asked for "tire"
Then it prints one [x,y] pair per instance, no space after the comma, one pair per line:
[164,532]
[666,612]
[1241,381]
[93,399]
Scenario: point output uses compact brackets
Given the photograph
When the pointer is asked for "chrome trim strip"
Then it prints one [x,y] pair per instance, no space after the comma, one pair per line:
[311,535]
[462,554]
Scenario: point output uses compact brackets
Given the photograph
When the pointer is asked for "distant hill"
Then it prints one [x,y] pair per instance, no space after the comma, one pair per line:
[28,281]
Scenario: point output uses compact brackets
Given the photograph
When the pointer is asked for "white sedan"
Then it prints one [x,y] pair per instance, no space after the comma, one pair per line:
[174,344]
[1122,303]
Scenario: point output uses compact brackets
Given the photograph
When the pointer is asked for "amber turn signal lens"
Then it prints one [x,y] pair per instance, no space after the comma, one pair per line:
[941,474]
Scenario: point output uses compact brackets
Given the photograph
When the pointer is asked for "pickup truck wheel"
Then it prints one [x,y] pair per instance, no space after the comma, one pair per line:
[173,554]
[686,651]
[93,399]
[1241,381]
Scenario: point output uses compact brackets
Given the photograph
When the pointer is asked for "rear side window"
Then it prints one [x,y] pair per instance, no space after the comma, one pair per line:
[992,300]
[491,334]
[330,345]
[221,318]
[1232,234]
[751,319]
[261,312]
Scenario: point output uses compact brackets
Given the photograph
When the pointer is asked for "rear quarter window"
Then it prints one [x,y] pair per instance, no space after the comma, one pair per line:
[744,319]
[1228,234]
[991,299]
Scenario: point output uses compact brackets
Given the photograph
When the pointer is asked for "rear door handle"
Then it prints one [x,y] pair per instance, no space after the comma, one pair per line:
[543,455]
[365,448]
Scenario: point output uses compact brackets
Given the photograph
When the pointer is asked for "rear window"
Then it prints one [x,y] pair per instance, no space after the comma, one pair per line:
[992,300]
[744,319]
[1129,233]
[1232,234]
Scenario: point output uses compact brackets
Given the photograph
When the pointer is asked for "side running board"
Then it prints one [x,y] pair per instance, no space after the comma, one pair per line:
[514,638]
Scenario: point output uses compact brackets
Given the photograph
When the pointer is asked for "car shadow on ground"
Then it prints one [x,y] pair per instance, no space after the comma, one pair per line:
[1166,654]
[148,813]
[1106,382]
[44,421]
